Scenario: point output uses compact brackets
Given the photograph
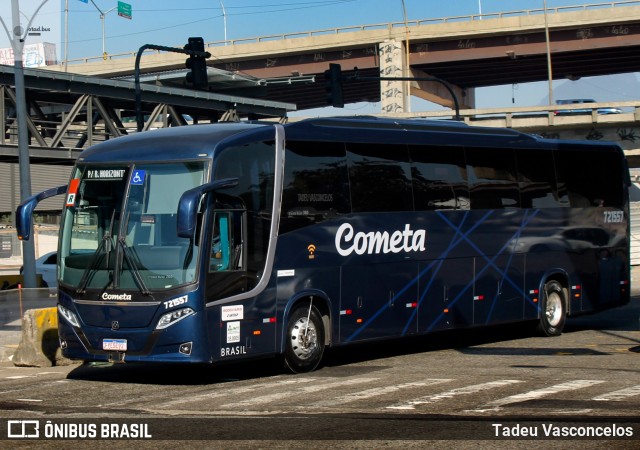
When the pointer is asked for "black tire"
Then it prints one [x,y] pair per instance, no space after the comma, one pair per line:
[305,340]
[553,307]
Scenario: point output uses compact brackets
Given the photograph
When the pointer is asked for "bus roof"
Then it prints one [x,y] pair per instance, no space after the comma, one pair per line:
[188,142]
[389,130]
[175,143]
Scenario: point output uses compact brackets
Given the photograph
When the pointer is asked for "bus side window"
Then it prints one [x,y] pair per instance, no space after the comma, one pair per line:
[588,176]
[492,178]
[315,185]
[537,179]
[380,177]
[439,176]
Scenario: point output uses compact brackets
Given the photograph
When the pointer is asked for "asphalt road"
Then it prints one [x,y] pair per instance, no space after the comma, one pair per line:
[490,385]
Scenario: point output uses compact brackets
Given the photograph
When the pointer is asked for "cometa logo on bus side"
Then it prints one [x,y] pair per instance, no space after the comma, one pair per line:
[375,242]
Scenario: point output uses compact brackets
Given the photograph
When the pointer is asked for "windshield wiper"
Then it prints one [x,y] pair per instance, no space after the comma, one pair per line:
[131,257]
[106,243]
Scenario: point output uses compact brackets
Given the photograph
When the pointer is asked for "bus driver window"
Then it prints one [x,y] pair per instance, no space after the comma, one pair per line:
[220,245]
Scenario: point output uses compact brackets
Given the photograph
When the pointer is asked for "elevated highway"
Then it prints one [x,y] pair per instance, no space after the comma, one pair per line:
[468,52]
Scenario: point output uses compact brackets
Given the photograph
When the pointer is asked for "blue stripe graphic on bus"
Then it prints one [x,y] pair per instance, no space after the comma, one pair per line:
[458,238]
[452,245]
[525,222]
[491,264]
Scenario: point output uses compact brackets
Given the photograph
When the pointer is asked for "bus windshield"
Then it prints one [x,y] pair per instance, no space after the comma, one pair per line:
[119,227]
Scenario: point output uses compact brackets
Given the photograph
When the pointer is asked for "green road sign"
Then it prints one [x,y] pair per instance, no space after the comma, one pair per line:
[124,10]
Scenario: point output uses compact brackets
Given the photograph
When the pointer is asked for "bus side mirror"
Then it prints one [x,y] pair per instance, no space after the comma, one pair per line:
[190,200]
[24,212]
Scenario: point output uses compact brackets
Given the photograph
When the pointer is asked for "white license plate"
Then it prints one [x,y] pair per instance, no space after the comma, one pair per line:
[114,344]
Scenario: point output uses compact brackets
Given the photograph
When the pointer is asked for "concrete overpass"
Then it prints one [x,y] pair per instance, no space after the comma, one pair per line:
[501,48]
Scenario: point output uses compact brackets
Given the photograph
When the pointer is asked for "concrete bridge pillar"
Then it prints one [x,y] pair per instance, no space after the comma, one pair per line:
[393,94]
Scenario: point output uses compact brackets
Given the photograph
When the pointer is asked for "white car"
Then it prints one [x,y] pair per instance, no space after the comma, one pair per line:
[46,266]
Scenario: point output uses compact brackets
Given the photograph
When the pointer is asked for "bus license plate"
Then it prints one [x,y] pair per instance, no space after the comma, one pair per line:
[114,344]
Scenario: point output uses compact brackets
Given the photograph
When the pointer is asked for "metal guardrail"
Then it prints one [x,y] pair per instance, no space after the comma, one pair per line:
[379,26]
[539,117]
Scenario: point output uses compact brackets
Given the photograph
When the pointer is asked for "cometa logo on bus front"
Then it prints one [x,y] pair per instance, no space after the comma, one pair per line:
[375,242]
[106,296]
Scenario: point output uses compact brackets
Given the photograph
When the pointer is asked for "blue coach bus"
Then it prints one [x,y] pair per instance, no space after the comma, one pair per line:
[221,242]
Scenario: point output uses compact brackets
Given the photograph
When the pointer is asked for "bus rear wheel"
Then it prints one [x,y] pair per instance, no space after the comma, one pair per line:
[305,339]
[554,309]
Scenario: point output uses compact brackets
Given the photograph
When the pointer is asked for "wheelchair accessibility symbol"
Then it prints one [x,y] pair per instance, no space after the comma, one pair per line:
[138,177]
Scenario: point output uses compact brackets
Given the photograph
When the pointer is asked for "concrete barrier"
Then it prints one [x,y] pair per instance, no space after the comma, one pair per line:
[8,282]
[39,346]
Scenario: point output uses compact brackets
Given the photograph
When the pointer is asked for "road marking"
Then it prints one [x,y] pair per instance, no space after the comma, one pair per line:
[314,387]
[377,391]
[544,392]
[620,395]
[222,391]
[453,393]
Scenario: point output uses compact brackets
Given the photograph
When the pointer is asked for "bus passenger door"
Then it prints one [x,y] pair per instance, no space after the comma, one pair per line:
[245,327]
[378,300]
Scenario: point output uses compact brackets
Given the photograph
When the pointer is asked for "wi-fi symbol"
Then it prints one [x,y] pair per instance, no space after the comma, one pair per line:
[311,248]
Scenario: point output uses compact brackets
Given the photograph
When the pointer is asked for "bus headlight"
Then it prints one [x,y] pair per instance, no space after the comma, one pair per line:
[69,315]
[172,317]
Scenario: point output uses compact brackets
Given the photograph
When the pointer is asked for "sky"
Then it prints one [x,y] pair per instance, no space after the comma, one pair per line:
[172,22]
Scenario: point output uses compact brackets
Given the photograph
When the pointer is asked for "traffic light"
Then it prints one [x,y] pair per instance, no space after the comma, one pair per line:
[197,76]
[334,85]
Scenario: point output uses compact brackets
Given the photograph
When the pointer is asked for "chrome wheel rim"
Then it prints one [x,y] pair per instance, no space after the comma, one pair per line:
[304,338]
[554,309]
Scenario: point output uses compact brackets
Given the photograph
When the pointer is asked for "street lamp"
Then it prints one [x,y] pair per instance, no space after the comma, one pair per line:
[17,36]
[224,20]
[66,33]
[102,17]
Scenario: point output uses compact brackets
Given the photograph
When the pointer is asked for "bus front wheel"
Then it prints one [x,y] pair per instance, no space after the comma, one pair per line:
[305,339]
[553,309]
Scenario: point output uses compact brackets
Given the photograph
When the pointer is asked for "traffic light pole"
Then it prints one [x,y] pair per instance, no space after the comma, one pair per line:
[335,78]
[357,77]
[139,117]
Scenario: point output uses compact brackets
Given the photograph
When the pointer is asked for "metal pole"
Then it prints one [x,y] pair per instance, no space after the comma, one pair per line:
[66,33]
[28,247]
[549,70]
[103,15]
[104,53]
[136,73]
[224,19]
[456,104]
[406,71]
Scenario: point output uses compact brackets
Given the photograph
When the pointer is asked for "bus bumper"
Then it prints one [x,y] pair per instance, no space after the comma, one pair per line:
[183,342]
